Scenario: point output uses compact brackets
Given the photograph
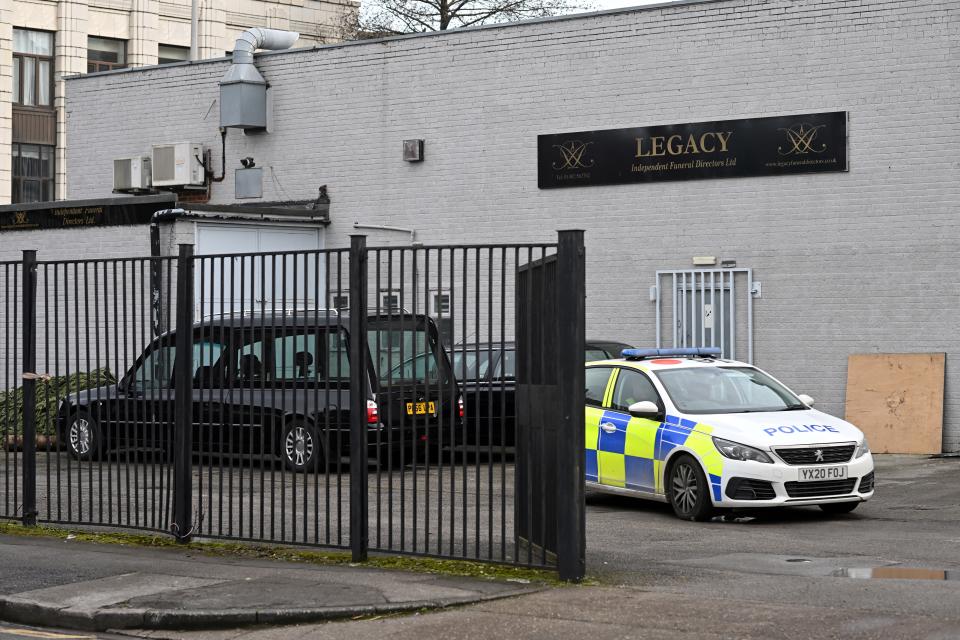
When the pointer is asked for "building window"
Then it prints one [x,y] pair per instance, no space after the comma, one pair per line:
[32,68]
[389,301]
[167,53]
[441,303]
[104,54]
[32,173]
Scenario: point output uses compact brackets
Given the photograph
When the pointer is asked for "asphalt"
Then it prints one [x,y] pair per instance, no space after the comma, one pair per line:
[890,569]
[84,586]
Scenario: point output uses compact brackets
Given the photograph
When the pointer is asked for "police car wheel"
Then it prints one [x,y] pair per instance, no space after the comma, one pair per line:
[838,508]
[687,490]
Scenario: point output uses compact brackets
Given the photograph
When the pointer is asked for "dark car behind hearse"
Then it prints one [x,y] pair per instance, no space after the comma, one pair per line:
[487,374]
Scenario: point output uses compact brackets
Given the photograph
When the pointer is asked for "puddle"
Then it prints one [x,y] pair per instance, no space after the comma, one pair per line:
[797,560]
[898,573]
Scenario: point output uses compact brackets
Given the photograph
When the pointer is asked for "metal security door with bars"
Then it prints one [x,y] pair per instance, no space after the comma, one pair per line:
[706,308]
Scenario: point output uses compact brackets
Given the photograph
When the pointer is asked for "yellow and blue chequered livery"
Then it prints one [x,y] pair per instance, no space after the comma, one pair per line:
[705,433]
[633,456]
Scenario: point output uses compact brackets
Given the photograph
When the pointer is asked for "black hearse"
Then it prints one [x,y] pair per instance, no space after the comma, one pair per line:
[276,385]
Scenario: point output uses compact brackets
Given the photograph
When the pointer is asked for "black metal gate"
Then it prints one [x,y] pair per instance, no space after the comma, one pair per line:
[268,432]
[550,405]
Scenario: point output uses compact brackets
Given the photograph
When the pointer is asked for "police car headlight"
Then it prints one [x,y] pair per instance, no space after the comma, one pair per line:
[737,451]
[862,449]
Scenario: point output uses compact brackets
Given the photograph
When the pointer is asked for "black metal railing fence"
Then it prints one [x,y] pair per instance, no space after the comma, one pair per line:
[269,430]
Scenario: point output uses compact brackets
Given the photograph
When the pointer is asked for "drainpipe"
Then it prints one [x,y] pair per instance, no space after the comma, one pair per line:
[193,31]
[380,227]
[156,268]
[413,243]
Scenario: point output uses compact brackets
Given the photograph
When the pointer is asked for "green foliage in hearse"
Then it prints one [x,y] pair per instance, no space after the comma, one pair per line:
[49,394]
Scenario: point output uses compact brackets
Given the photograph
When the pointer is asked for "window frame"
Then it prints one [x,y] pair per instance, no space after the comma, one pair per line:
[609,369]
[616,383]
[324,376]
[131,376]
[18,179]
[17,65]
[170,60]
[104,65]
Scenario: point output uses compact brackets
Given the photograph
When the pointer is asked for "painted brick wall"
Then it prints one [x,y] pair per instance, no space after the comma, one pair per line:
[853,262]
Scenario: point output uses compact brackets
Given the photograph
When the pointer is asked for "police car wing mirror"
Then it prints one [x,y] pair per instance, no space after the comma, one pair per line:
[644,409]
[805,399]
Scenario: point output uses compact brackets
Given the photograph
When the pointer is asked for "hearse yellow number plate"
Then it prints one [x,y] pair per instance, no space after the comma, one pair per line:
[421,408]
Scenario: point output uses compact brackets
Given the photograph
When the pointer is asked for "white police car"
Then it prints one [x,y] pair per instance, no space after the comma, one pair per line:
[686,427]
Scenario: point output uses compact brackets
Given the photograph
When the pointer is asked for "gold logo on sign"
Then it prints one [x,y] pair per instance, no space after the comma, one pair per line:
[572,152]
[20,217]
[801,140]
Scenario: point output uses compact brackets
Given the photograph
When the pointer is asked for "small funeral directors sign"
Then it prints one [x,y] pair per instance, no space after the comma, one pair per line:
[805,143]
[89,214]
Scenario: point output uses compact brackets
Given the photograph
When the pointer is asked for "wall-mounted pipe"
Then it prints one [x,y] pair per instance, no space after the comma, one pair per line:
[243,91]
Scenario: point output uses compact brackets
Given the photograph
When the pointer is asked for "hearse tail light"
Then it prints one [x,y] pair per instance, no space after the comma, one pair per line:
[373,413]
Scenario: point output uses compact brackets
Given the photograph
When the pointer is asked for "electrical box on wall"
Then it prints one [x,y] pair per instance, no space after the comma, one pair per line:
[178,164]
[413,150]
[248,183]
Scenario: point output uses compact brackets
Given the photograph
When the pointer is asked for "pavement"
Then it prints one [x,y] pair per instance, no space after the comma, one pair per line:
[84,586]
[890,569]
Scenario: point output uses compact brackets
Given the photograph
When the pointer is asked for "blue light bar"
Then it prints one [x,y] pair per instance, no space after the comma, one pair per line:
[639,354]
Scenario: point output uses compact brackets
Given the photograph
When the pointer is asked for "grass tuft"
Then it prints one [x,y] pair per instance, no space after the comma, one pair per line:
[439,566]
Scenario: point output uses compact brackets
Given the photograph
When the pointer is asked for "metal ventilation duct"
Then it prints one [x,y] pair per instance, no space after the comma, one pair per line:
[243,91]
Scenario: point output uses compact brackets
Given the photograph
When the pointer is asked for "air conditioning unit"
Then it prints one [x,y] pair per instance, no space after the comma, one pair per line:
[131,174]
[178,165]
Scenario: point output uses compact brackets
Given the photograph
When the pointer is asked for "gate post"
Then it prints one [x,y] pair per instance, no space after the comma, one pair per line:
[571,320]
[359,382]
[29,324]
[183,400]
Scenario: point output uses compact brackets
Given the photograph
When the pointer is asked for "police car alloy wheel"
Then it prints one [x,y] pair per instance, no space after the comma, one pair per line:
[688,490]
[707,434]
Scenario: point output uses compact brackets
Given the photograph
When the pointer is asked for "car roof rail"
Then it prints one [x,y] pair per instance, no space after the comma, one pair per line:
[280,311]
[679,352]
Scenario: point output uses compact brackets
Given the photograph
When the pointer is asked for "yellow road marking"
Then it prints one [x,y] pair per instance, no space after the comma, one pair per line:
[32,633]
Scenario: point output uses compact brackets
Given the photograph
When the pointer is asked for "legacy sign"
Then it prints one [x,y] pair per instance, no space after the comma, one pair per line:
[806,143]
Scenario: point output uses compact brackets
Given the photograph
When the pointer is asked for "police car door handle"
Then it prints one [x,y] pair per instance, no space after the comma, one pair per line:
[609,427]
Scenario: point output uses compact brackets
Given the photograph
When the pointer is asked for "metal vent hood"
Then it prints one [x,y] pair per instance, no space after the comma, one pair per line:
[243,91]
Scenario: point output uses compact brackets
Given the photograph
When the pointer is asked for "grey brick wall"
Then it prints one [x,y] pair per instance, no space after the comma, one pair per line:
[853,262]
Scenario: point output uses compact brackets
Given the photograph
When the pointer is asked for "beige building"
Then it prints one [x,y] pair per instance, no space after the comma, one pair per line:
[42,41]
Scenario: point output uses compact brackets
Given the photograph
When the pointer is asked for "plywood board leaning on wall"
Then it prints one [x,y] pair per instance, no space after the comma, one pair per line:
[897,400]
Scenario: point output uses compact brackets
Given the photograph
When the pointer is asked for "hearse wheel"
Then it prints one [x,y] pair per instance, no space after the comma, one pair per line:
[300,447]
[84,438]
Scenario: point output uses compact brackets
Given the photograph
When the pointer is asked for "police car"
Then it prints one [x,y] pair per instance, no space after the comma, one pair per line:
[686,427]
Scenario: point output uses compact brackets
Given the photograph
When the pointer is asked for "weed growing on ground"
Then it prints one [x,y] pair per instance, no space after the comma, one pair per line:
[465,568]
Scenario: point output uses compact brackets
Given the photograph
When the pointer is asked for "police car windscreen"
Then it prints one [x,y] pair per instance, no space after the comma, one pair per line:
[726,390]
